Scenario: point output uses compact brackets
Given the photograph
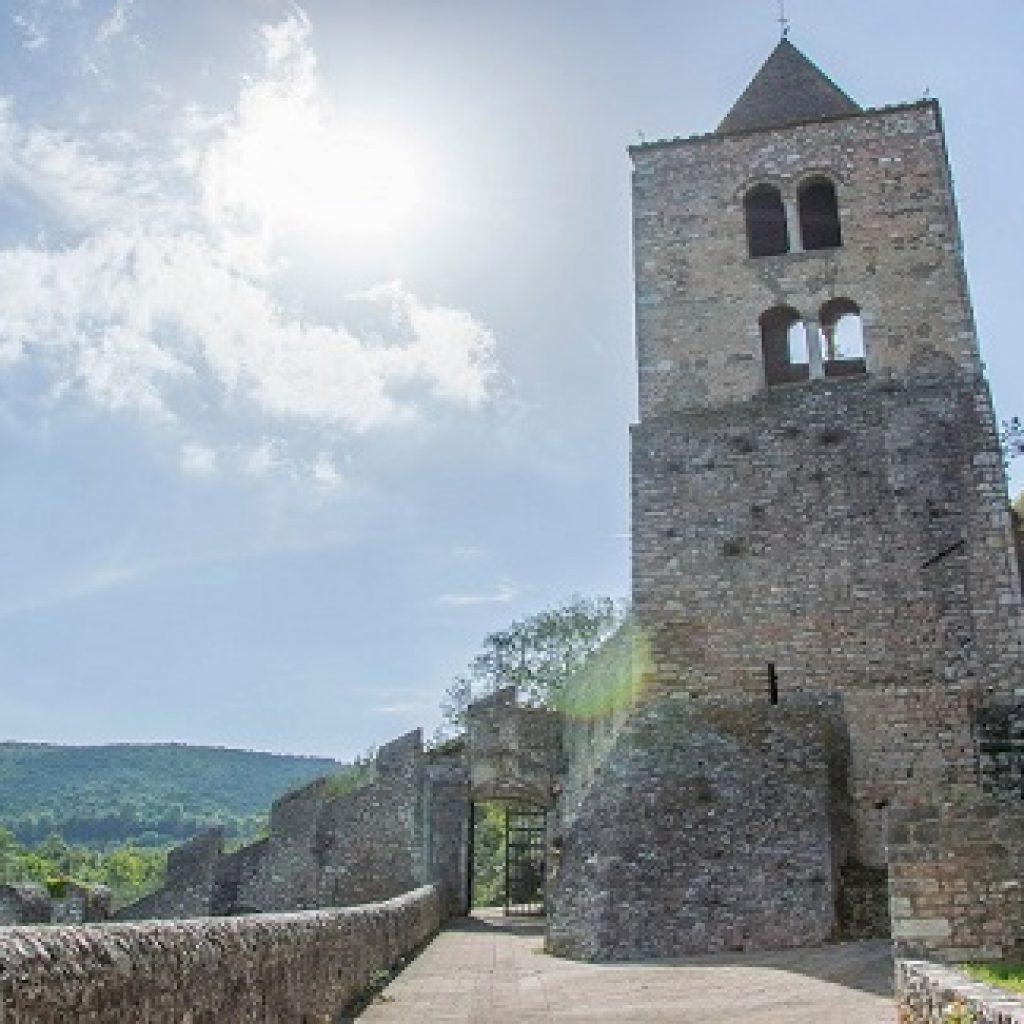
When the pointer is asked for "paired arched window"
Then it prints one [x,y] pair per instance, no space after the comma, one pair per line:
[819,215]
[834,347]
[784,346]
[765,214]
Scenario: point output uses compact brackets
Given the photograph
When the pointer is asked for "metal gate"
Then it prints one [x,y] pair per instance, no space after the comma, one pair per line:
[525,845]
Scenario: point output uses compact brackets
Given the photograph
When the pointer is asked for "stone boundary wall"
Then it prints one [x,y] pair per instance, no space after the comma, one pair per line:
[302,967]
[928,993]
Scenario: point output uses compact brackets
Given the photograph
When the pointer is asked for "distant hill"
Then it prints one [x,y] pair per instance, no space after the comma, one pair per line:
[149,794]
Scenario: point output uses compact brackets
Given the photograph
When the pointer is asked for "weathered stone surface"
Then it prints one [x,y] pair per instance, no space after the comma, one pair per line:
[699,295]
[514,750]
[928,993]
[831,573]
[712,825]
[30,903]
[242,970]
[956,878]
[401,829]
[24,903]
[852,532]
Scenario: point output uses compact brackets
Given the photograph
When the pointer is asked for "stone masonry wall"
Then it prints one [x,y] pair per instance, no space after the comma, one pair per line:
[699,295]
[514,750]
[31,903]
[327,849]
[370,843]
[854,534]
[712,825]
[24,903]
[302,967]
[956,878]
[446,830]
[191,873]
[928,993]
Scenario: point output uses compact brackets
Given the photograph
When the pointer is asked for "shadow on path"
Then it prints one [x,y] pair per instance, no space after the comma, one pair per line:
[491,969]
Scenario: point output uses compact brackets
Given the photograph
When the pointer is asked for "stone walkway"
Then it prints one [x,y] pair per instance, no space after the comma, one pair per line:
[492,970]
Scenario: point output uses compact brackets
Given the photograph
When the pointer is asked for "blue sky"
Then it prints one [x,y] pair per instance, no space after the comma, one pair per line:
[316,354]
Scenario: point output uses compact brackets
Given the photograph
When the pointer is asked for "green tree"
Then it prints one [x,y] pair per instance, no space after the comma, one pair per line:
[488,854]
[537,654]
[127,871]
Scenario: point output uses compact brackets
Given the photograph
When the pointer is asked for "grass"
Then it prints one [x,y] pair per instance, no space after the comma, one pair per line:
[1009,976]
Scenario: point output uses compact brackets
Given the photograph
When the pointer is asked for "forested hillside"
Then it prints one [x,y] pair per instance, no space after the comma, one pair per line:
[147,794]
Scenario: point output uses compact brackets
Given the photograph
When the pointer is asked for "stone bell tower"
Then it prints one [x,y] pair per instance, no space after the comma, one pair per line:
[818,489]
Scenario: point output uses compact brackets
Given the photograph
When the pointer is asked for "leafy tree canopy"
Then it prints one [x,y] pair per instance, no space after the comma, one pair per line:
[145,794]
[537,654]
[128,872]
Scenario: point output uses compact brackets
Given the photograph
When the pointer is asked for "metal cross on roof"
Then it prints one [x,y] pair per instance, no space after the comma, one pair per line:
[783,20]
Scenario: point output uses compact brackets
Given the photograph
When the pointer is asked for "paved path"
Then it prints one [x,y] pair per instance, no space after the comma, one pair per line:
[492,970]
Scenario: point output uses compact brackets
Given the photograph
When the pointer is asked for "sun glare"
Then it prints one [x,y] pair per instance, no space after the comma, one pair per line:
[298,174]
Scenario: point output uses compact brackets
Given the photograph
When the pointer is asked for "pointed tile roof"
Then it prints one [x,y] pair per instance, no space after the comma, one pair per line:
[787,90]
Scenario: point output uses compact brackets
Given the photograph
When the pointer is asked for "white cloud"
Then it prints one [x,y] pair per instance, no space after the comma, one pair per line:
[262,459]
[164,300]
[116,22]
[33,35]
[504,593]
[325,472]
[75,588]
[400,709]
[284,160]
[198,460]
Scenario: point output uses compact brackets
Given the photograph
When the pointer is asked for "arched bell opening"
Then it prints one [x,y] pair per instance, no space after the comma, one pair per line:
[842,338]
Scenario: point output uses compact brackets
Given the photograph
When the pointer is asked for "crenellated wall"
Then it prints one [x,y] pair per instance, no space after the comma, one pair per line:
[400,829]
[241,970]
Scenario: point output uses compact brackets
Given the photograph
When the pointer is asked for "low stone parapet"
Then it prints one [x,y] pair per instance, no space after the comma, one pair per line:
[929,993]
[238,970]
